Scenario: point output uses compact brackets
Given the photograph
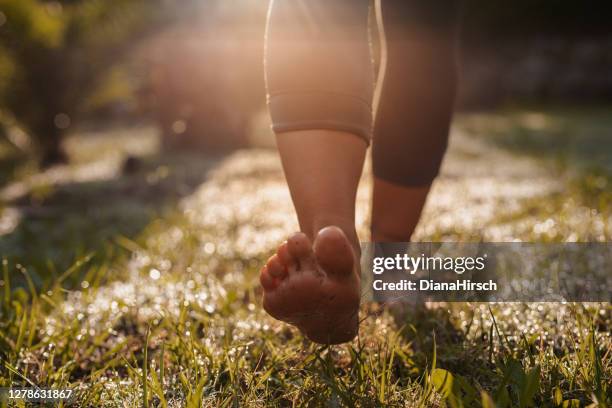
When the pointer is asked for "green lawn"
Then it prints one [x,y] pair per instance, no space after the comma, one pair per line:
[140,287]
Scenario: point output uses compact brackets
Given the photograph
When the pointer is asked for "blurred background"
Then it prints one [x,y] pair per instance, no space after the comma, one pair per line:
[92,92]
[194,67]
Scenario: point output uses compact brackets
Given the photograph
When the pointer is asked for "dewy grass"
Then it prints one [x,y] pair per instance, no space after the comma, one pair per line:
[175,320]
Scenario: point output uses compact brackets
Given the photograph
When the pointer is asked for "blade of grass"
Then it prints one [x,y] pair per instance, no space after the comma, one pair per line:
[162,366]
[31,286]
[75,267]
[18,374]
[21,332]
[7,284]
[145,370]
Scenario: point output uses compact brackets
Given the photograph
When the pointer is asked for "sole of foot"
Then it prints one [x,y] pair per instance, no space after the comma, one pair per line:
[315,286]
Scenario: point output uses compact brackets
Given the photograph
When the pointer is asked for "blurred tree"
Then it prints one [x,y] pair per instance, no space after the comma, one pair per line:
[53,55]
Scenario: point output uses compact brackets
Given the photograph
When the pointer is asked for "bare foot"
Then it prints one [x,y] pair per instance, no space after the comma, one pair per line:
[315,287]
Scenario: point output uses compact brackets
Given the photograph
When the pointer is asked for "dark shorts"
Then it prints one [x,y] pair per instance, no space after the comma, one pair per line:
[320,75]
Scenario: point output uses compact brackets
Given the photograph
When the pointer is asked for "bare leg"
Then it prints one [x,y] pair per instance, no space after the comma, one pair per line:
[323,168]
[319,78]
[396,210]
[313,279]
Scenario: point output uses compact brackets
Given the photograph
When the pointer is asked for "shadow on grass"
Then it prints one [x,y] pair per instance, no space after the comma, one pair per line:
[62,222]
[426,328]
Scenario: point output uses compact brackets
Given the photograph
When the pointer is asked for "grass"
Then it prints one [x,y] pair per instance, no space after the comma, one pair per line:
[160,305]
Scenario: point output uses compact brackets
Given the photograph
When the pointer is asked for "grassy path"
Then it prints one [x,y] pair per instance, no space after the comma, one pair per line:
[180,321]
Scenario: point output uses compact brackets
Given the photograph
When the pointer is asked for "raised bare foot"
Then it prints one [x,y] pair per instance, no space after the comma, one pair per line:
[315,287]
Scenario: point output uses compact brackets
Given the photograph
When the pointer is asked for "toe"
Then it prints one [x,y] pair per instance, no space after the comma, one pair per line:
[285,256]
[334,252]
[300,247]
[276,268]
[267,281]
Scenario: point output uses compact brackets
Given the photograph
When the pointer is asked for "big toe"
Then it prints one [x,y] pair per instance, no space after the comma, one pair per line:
[333,252]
